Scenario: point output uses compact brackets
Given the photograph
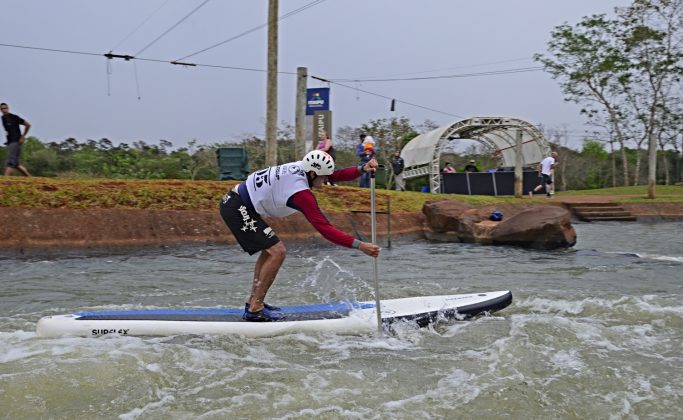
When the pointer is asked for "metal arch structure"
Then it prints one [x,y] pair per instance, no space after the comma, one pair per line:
[498,134]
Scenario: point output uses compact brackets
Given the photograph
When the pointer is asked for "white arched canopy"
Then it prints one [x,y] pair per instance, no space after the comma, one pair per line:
[498,134]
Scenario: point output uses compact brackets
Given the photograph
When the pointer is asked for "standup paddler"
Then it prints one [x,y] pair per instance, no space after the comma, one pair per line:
[279,191]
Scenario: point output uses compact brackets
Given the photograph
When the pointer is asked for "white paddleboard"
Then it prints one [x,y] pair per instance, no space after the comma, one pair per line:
[343,317]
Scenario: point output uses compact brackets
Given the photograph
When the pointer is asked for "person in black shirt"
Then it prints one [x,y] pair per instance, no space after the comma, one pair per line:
[15,139]
[471,167]
[397,164]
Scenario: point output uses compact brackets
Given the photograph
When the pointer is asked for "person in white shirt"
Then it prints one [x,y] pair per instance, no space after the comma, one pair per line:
[279,191]
[545,172]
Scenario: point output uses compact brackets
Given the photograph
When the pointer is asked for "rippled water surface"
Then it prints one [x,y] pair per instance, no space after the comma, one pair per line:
[593,332]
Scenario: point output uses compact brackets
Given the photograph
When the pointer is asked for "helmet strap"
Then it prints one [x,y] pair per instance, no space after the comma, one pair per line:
[311,178]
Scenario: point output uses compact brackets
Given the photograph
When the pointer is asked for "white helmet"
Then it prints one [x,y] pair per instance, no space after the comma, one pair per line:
[319,162]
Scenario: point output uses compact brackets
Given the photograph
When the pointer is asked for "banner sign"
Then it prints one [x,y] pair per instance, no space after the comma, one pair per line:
[322,121]
[317,99]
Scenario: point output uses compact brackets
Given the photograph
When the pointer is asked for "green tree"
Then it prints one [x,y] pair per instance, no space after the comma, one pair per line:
[594,163]
[653,38]
[587,61]
[625,71]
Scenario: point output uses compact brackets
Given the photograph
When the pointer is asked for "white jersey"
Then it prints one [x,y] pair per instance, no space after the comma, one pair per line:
[270,188]
[547,165]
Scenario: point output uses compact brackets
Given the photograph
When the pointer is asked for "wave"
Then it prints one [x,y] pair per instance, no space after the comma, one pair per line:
[625,306]
[646,256]
[660,257]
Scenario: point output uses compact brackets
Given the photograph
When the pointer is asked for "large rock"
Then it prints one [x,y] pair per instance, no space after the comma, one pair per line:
[541,227]
[445,215]
[533,226]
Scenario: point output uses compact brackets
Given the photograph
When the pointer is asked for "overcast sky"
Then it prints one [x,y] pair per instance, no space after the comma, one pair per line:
[90,97]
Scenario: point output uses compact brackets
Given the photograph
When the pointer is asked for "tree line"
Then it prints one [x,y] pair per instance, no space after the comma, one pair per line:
[626,73]
[590,167]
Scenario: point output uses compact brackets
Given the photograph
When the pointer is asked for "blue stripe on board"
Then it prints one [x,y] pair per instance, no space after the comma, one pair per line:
[324,307]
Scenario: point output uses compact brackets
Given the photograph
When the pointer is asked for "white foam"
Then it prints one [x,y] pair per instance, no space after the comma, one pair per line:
[153,367]
[561,306]
[456,387]
[14,354]
[646,306]
[333,411]
[137,412]
[661,257]
[567,360]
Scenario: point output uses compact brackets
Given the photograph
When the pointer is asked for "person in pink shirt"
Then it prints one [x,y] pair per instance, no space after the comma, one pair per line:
[448,169]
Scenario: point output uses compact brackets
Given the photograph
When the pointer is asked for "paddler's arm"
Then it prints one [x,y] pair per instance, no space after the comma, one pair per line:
[349,174]
[305,202]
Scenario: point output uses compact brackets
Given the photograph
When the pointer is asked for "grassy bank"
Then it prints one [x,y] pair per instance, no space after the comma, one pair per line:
[204,195]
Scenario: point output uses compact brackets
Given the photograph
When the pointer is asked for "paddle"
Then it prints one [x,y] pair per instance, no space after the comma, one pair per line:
[374,241]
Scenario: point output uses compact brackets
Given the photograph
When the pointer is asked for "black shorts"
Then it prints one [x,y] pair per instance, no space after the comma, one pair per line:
[547,179]
[252,232]
[13,152]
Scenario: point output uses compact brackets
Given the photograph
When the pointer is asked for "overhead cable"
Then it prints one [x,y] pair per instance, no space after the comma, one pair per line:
[177,62]
[254,29]
[140,25]
[489,63]
[126,57]
[49,49]
[449,76]
[172,27]
[394,100]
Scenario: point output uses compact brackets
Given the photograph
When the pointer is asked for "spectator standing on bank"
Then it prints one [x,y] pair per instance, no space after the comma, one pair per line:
[448,169]
[15,139]
[545,172]
[471,167]
[369,143]
[364,156]
[365,177]
[325,145]
[360,148]
[397,164]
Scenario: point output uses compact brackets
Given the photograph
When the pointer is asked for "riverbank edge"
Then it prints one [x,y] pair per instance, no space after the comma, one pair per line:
[52,231]
[55,231]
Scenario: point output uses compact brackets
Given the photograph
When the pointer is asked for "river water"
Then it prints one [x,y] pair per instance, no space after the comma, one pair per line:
[593,332]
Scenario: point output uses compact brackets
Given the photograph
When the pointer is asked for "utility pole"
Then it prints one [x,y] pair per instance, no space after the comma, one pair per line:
[271,95]
[300,117]
[651,165]
[518,164]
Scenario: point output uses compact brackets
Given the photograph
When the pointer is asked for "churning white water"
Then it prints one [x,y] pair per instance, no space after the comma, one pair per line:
[593,332]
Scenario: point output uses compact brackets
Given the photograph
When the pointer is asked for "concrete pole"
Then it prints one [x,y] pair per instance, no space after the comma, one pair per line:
[518,165]
[300,117]
[651,166]
[271,95]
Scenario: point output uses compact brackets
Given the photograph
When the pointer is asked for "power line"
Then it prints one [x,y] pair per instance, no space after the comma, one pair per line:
[254,29]
[139,26]
[130,57]
[450,68]
[172,27]
[387,97]
[176,62]
[49,49]
[450,76]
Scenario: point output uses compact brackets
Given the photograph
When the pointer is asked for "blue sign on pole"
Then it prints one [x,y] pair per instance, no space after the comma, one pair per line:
[317,99]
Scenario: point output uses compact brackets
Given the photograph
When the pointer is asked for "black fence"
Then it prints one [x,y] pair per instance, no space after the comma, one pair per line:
[500,182]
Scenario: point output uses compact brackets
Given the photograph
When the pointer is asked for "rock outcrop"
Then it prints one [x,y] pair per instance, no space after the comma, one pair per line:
[530,226]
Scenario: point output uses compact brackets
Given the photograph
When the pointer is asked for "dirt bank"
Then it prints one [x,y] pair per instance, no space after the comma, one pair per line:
[27,229]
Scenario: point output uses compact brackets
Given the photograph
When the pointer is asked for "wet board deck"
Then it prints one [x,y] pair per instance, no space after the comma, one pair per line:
[343,317]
